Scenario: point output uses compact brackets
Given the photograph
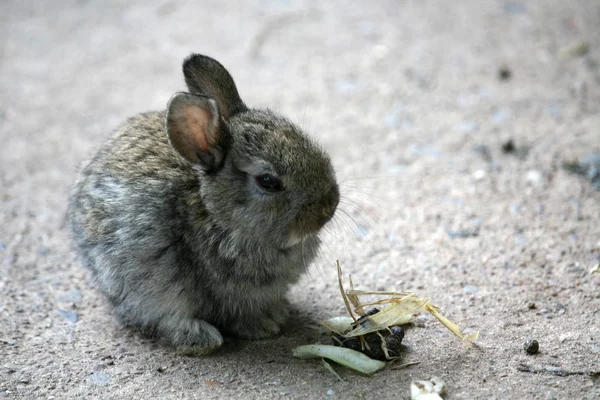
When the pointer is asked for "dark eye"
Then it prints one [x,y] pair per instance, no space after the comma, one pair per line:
[269,183]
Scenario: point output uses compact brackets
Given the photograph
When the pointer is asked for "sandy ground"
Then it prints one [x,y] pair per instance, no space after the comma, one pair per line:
[414,100]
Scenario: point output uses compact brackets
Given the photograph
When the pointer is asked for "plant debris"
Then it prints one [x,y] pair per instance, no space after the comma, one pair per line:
[399,310]
[366,338]
[381,345]
[347,357]
[575,50]
[552,370]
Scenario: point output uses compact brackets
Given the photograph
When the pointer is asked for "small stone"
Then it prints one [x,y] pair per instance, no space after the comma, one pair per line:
[479,174]
[504,73]
[534,176]
[24,380]
[10,368]
[330,392]
[574,269]
[70,316]
[531,346]
[99,378]
[470,289]
[509,146]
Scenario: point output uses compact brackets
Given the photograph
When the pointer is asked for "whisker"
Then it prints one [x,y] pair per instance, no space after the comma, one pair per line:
[356,206]
[354,221]
[363,194]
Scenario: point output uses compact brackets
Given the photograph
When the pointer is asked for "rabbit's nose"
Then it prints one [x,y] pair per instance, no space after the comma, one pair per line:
[328,205]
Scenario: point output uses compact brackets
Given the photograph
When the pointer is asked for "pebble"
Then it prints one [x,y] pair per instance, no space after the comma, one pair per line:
[330,392]
[504,73]
[575,269]
[99,378]
[10,368]
[70,316]
[479,174]
[531,346]
[534,176]
[470,289]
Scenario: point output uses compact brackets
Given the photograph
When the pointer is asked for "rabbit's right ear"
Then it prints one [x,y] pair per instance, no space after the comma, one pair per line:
[193,129]
[206,76]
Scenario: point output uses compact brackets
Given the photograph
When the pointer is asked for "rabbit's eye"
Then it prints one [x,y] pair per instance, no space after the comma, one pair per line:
[269,183]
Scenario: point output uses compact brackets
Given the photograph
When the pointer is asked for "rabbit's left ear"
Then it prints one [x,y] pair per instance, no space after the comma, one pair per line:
[193,129]
[206,76]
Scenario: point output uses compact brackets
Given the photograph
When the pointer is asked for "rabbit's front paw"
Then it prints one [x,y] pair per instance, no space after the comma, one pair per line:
[191,336]
[264,325]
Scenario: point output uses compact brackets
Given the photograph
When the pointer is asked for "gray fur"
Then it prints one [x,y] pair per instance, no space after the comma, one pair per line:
[188,247]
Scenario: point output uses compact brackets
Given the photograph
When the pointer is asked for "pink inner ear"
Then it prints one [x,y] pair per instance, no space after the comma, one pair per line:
[197,128]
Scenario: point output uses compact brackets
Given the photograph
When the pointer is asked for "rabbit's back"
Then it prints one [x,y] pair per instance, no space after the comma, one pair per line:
[124,203]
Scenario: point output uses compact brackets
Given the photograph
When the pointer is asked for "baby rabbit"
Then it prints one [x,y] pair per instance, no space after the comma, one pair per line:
[195,220]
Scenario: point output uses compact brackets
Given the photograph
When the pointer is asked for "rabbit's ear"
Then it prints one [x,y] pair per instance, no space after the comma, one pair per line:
[206,76]
[194,131]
